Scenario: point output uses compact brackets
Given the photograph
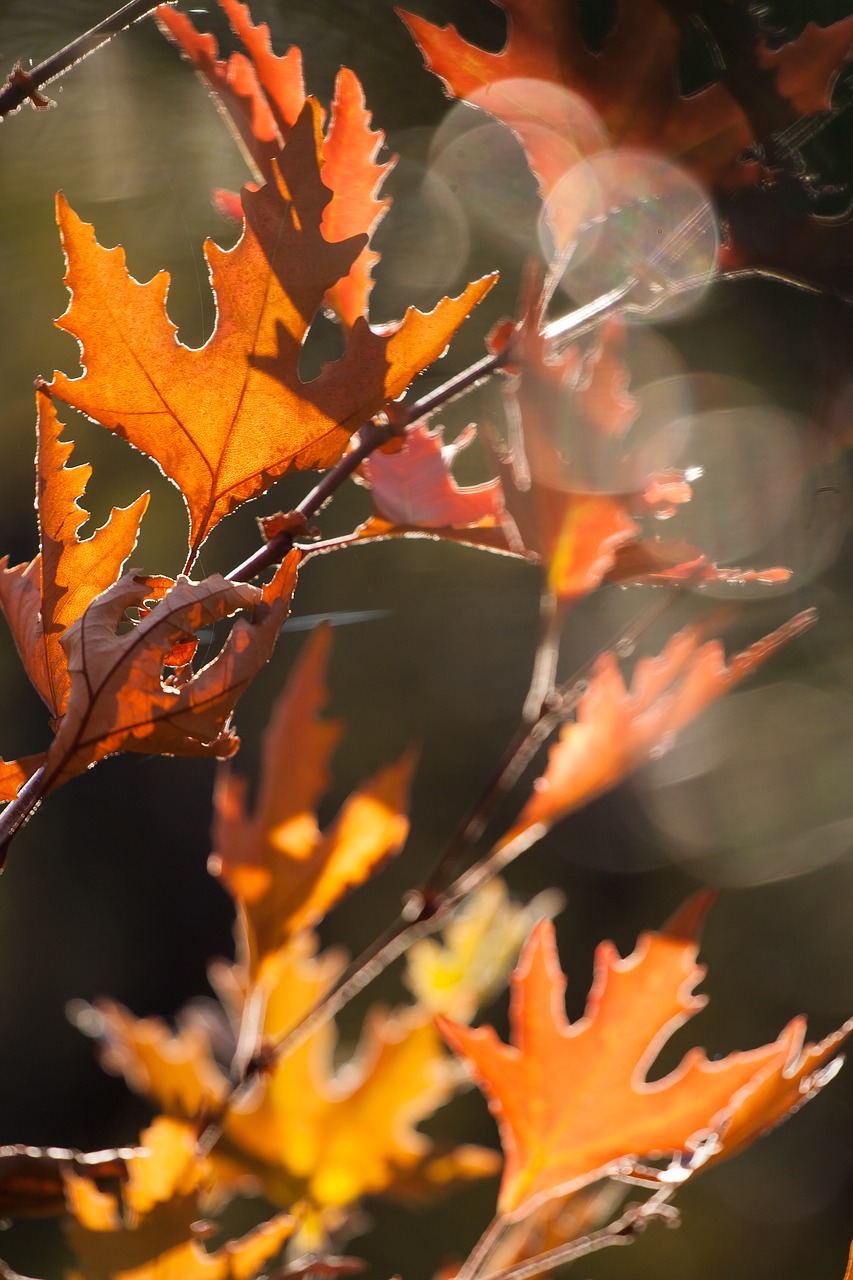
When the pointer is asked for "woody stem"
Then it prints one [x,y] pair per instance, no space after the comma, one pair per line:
[22,85]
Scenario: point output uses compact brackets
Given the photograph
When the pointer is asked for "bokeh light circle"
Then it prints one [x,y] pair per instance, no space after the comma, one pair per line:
[625,214]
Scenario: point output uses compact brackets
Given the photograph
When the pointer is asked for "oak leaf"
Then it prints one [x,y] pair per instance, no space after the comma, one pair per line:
[414,492]
[43,598]
[572,1100]
[632,84]
[150,1230]
[311,1130]
[262,96]
[119,699]
[283,871]
[226,420]
[615,731]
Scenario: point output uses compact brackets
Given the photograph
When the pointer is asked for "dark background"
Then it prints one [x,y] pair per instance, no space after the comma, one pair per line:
[106,890]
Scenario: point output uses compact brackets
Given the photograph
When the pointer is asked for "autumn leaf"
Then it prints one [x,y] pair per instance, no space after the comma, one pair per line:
[414,492]
[43,598]
[151,1229]
[119,699]
[226,420]
[454,976]
[572,1100]
[262,96]
[575,491]
[312,1128]
[631,84]
[615,731]
[285,872]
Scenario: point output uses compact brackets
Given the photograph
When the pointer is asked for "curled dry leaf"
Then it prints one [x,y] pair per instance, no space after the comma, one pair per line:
[223,422]
[152,1228]
[262,95]
[615,731]
[119,699]
[283,871]
[310,1129]
[572,1100]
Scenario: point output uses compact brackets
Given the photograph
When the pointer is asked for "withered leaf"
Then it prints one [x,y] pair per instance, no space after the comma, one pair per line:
[119,700]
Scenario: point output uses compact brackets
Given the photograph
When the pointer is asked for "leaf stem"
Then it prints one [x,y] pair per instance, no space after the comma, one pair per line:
[483,1249]
[22,84]
[19,811]
[624,1230]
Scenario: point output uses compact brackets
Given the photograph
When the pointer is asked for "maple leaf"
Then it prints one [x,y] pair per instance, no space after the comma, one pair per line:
[309,1129]
[285,872]
[572,1100]
[262,96]
[118,699]
[43,598]
[150,1230]
[615,731]
[226,420]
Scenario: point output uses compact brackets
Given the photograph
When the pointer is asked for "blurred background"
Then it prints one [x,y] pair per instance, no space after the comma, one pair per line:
[106,890]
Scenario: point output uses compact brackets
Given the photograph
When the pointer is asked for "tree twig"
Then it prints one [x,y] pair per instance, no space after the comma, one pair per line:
[22,85]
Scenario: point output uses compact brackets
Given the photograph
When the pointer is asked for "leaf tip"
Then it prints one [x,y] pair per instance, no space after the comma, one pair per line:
[685,925]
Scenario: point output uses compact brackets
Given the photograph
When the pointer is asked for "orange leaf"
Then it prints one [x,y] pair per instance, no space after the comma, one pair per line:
[118,700]
[572,1100]
[616,731]
[631,84]
[263,96]
[43,598]
[224,421]
[279,866]
[414,490]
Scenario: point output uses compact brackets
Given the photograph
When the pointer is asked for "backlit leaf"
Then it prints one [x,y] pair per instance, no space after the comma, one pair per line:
[572,1100]
[226,420]
[278,865]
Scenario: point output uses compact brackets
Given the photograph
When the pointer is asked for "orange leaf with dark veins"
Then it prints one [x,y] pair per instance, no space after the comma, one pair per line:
[224,421]
[276,863]
[573,1101]
[615,731]
[263,95]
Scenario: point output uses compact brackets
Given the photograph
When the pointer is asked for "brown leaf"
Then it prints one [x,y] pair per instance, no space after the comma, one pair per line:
[118,699]
[224,421]
[276,863]
[572,1100]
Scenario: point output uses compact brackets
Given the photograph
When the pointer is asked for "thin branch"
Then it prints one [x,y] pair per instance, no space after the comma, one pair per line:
[624,1230]
[22,84]
[479,1256]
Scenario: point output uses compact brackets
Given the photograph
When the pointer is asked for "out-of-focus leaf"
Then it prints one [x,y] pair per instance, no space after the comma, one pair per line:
[283,871]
